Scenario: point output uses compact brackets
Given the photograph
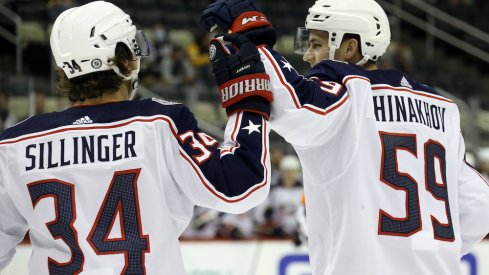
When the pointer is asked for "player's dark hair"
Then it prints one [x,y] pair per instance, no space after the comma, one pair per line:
[94,85]
[349,36]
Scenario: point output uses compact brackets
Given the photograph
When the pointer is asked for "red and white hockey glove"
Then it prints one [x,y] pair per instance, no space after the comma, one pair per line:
[241,16]
[240,75]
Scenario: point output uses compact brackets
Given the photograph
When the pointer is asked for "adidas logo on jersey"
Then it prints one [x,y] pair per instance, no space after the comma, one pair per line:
[83,120]
[405,83]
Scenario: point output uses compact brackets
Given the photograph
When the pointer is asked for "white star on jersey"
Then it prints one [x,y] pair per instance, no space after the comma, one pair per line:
[287,65]
[252,127]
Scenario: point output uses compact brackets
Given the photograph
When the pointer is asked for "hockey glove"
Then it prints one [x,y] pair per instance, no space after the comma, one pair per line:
[243,83]
[240,16]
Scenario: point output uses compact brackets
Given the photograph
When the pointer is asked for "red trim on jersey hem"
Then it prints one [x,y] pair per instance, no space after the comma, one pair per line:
[329,109]
[84,127]
[376,87]
[350,77]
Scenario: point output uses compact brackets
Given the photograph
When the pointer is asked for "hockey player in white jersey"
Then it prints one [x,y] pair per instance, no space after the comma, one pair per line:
[108,185]
[387,188]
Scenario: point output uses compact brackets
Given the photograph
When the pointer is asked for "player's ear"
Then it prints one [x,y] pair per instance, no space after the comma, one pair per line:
[351,48]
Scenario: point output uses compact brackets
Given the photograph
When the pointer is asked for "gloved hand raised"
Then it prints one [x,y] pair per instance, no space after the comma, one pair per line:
[240,75]
[241,16]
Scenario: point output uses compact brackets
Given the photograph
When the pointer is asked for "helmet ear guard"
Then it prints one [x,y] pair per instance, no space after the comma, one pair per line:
[339,17]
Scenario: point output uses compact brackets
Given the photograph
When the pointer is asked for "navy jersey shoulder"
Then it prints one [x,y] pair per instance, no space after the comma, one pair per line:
[103,113]
[396,78]
[335,71]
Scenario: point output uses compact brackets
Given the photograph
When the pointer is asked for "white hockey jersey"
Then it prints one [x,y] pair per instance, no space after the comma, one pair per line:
[108,189]
[386,185]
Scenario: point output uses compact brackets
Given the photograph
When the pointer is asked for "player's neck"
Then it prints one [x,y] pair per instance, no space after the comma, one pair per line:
[370,66]
[121,95]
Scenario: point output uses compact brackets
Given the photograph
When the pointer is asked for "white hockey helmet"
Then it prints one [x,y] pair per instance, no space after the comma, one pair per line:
[83,39]
[338,17]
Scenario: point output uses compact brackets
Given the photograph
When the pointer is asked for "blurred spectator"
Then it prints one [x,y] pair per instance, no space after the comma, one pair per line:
[161,50]
[278,215]
[399,56]
[40,103]
[161,37]
[204,224]
[7,119]
[178,73]
[470,159]
[177,69]
[198,52]
[485,169]
[484,162]
[236,226]
[175,76]
[276,155]
[301,236]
